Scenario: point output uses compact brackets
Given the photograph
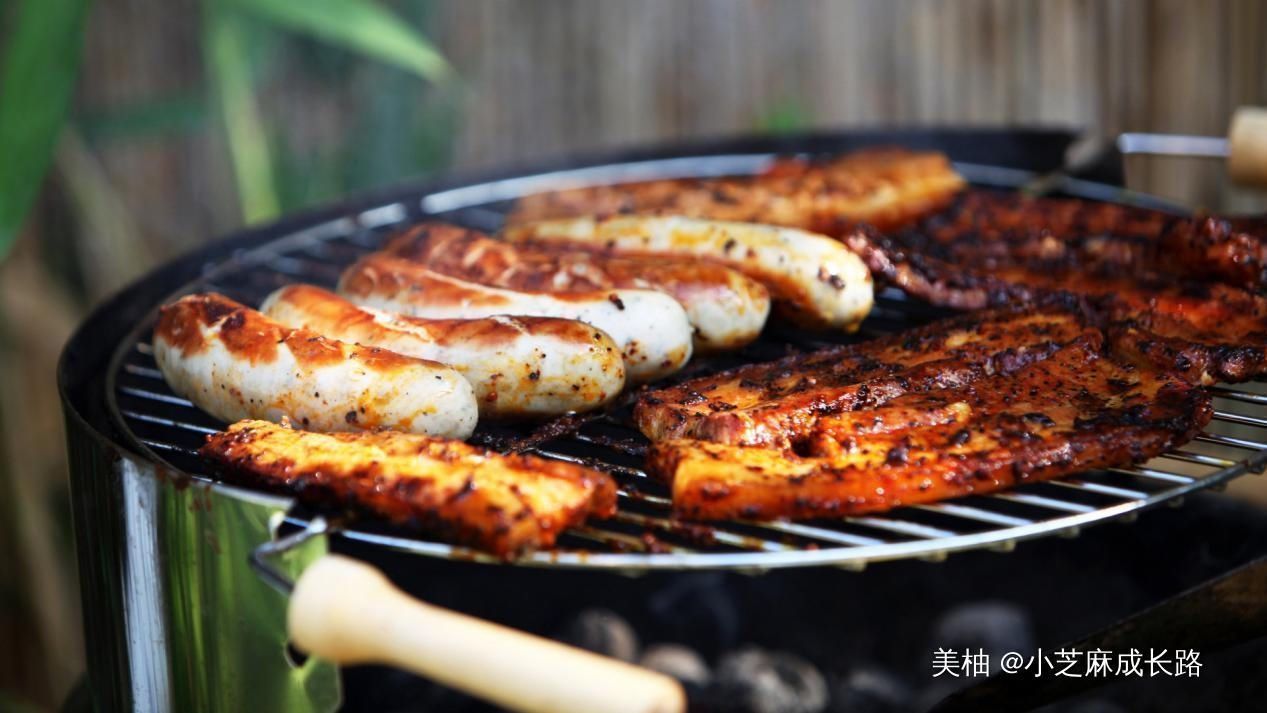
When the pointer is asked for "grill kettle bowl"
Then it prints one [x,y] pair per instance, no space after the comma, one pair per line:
[174,616]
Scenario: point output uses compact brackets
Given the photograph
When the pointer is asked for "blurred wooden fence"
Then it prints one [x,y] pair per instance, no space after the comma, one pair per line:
[550,77]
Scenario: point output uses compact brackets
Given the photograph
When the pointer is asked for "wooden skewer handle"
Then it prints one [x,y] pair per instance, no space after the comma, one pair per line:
[347,612]
[1247,146]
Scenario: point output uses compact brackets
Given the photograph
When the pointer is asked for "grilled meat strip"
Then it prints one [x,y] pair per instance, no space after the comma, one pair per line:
[503,504]
[887,188]
[726,308]
[1208,330]
[1147,273]
[779,402]
[1076,410]
[984,227]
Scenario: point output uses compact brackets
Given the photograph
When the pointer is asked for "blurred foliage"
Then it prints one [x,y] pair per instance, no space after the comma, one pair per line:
[355,25]
[784,117]
[38,66]
[37,76]
[86,238]
[228,64]
[176,114]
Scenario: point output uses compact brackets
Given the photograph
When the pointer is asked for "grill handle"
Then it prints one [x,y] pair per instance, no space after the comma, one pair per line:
[1247,146]
[347,612]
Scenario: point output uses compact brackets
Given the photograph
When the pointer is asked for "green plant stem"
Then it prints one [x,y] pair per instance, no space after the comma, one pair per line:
[358,25]
[228,63]
[39,58]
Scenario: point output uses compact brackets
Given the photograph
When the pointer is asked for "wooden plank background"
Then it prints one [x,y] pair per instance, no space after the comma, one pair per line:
[552,77]
[543,79]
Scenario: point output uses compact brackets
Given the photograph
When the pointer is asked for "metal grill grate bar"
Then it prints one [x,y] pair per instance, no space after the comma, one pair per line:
[1044,502]
[975,514]
[1243,443]
[1200,458]
[150,418]
[1239,418]
[1236,395]
[155,396]
[1154,474]
[1124,493]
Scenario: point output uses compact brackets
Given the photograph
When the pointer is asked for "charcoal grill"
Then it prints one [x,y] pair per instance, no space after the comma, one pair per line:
[141,488]
[169,429]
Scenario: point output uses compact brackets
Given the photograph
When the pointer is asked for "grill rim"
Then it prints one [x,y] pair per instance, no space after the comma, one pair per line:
[256,246]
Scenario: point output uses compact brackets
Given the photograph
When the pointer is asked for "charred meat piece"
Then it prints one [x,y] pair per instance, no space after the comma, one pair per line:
[1077,410]
[726,308]
[502,504]
[985,228]
[777,403]
[886,187]
[1208,330]
[1152,277]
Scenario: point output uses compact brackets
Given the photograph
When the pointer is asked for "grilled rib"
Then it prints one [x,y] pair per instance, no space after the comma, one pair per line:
[503,504]
[886,187]
[777,403]
[1074,411]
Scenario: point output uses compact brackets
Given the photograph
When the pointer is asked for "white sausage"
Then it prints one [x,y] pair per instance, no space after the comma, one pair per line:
[519,366]
[822,282]
[727,308]
[235,363]
[651,327]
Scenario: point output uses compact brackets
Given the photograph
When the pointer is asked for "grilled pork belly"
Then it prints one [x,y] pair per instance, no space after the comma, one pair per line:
[503,504]
[1100,237]
[726,308]
[1208,330]
[886,187]
[778,402]
[1074,411]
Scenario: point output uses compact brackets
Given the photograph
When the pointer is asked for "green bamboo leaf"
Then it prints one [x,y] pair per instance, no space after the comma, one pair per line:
[38,62]
[228,64]
[174,114]
[358,25]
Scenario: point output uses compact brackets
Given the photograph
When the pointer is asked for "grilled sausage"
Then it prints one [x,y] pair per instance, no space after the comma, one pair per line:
[815,281]
[519,366]
[235,363]
[650,327]
[886,187]
[727,308]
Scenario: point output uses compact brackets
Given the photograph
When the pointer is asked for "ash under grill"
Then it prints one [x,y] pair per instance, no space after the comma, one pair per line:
[642,535]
